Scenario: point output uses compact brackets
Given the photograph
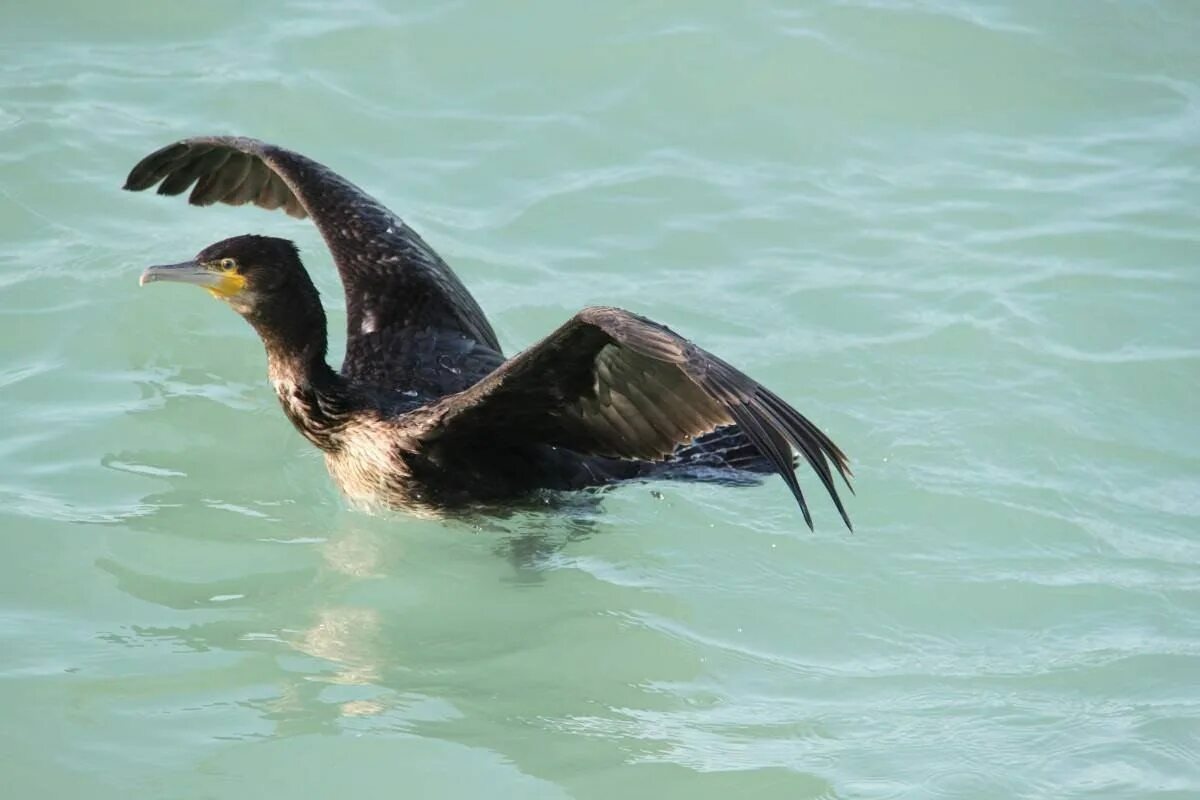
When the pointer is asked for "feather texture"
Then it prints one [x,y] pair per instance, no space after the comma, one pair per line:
[611,383]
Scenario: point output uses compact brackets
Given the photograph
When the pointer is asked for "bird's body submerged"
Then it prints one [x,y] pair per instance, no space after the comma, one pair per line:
[425,412]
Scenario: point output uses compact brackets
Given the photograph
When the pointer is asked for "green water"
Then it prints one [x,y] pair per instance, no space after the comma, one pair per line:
[963,237]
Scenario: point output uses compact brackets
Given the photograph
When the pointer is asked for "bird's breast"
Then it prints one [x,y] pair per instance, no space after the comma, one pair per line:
[369,467]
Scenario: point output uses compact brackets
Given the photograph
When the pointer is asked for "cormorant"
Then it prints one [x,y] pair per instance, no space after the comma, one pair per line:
[426,413]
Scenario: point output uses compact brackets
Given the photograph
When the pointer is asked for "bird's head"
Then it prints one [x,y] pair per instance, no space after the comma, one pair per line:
[255,275]
[261,278]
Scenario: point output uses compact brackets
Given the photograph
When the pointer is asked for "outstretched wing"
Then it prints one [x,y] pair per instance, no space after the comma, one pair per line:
[612,383]
[393,279]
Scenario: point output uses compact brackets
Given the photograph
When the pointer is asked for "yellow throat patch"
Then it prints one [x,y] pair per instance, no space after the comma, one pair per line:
[231,284]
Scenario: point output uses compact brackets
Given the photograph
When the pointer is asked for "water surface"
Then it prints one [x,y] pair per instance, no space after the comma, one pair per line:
[961,236]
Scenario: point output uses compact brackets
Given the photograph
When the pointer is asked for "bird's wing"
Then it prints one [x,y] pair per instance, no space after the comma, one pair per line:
[612,383]
[393,279]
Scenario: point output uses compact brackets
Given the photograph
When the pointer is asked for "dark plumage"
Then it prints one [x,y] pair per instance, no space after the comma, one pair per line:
[426,413]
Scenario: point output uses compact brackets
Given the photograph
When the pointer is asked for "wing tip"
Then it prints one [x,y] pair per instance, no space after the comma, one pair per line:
[141,177]
[794,485]
[846,519]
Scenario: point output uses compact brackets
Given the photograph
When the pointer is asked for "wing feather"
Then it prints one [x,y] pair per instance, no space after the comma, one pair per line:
[214,186]
[394,281]
[614,384]
[189,170]
[274,193]
[247,192]
[147,173]
[664,426]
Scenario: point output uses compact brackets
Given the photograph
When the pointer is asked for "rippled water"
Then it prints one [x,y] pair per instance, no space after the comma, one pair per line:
[961,236]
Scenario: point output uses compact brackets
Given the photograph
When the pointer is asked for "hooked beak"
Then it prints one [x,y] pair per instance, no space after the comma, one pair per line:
[219,284]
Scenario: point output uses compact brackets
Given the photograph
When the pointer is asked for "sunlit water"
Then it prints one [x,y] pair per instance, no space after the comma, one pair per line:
[963,237]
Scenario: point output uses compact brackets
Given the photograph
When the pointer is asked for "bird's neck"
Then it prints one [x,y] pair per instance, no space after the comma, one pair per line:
[318,401]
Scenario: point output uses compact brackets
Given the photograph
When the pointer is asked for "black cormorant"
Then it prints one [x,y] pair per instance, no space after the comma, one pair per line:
[426,413]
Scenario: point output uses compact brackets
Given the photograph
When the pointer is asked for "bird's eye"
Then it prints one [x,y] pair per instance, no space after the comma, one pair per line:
[227,264]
